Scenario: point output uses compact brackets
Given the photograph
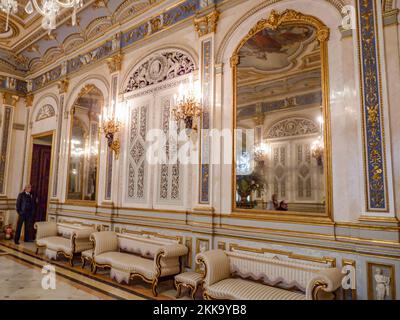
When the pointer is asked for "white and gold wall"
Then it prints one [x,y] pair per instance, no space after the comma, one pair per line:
[194,202]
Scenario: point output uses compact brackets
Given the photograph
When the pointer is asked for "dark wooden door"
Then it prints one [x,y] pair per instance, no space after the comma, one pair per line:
[40,175]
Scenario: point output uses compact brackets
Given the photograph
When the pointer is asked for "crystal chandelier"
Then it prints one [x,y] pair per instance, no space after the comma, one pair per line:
[8,7]
[50,9]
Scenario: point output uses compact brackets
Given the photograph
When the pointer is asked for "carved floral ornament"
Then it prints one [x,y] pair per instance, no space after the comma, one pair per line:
[159,67]
[45,112]
[292,127]
[275,20]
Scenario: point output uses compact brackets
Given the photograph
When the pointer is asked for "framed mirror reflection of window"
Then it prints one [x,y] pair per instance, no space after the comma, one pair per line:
[281,117]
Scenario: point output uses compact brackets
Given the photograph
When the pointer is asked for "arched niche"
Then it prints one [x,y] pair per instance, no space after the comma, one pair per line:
[44,115]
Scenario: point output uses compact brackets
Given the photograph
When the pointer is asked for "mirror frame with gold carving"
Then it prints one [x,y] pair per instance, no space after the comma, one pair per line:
[273,22]
[85,90]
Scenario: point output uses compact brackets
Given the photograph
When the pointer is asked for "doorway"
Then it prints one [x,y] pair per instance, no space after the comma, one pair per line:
[40,177]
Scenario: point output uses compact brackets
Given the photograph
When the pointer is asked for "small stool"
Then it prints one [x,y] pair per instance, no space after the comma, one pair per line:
[87,256]
[191,280]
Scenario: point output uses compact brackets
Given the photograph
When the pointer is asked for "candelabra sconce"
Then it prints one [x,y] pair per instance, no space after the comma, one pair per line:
[188,111]
[110,128]
[187,108]
[317,151]
[261,151]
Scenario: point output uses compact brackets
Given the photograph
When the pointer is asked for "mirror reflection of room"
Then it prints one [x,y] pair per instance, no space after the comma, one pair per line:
[279,107]
[84,145]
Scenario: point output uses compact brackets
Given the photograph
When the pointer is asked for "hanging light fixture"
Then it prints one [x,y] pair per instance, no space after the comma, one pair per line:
[50,9]
[8,7]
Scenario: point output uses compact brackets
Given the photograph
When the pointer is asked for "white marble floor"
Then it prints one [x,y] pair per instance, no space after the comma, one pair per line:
[21,282]
[21,279]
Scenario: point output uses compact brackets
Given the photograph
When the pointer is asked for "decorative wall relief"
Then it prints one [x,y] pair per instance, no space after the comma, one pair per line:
[188,257]
[137,165]
[206,121]
[170,178]
[350,294]
[292,127]
[161,66]
[202,245]
[222,245]
[4,146]
[381,282]
[45,112]
[372,107]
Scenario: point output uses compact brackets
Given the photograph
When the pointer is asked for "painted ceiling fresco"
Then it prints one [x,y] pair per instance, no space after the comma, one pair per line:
[275,64]
[274,50]
[27,47]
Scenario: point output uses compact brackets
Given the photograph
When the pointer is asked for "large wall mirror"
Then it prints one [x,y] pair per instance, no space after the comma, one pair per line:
[281,159]
[84,145]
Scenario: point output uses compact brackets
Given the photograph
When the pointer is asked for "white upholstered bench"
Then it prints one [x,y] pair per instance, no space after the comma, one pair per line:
[130,256]
[244,276]
[65,239]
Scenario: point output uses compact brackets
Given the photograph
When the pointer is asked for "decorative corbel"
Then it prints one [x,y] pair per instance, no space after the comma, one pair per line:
[115,63]
[63,85]
[29,100]
[207,24]
[10,99]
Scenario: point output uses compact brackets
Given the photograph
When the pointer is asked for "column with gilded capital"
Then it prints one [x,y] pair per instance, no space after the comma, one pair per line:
[206,26]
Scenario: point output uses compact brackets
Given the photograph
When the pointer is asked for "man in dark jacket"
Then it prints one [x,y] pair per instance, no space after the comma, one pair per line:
[25,209]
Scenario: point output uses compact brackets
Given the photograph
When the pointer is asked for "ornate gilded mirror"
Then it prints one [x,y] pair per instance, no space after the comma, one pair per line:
[84,145]
[281,119]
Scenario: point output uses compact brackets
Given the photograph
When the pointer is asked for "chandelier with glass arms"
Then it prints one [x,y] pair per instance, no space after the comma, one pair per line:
[8,7]
[50,9]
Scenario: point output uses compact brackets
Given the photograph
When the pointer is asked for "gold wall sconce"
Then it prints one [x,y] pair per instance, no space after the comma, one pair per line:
[187,107]
[111,126]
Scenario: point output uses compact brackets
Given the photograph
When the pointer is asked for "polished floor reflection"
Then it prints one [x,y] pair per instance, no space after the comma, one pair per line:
[21,279]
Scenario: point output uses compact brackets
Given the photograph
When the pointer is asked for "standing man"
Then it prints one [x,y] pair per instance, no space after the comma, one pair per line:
[25,209]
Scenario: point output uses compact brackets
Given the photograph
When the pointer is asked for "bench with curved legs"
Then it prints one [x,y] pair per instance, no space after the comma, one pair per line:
[61,239]
[240,276]
[133,256]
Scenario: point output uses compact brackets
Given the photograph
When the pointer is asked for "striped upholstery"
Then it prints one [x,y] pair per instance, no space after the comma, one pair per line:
[56,244]
[132,254]
[104,241]
[65,238]
[274,272]
[276,276]
[239,289]
[217,263]
[192,278]
[45,229]
[88,253]
[128,263]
